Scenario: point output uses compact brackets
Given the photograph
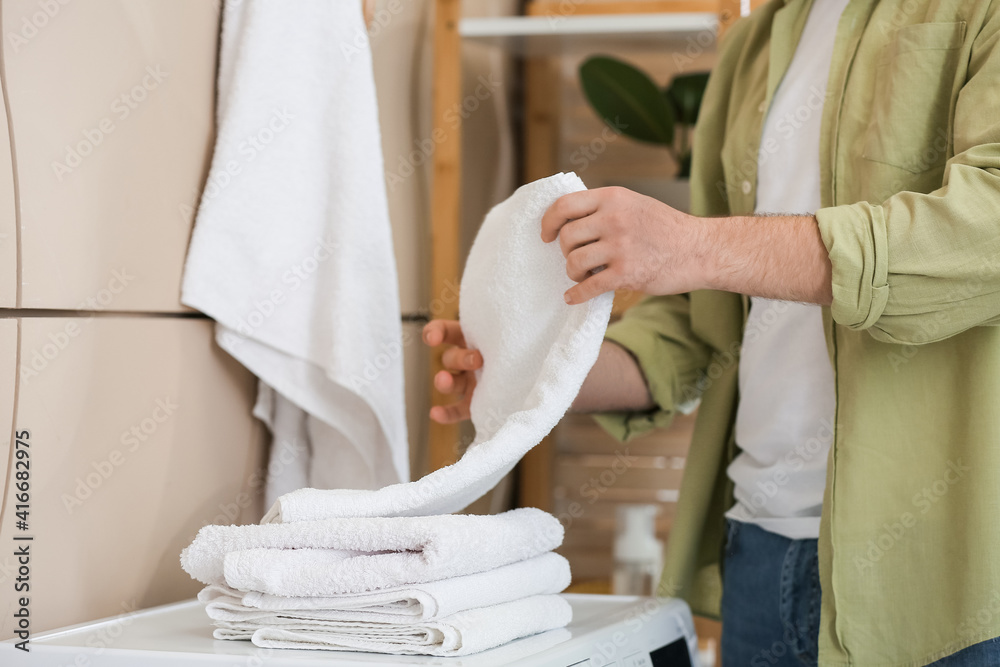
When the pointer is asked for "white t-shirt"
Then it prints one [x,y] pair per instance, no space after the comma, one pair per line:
[784,424]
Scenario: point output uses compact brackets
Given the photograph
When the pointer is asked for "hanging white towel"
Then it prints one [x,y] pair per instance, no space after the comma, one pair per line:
[463,633]
[335,556]
[292,250]
[537,351]
[547,574]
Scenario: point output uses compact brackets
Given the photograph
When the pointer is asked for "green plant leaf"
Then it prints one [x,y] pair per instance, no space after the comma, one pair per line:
[685,94]
[627,100]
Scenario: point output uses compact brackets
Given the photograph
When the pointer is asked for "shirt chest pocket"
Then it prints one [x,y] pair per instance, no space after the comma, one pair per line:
[914,97]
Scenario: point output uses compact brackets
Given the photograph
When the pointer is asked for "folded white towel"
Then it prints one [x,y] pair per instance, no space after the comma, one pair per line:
[463,633]
[543,575]
[336,556]
[292,250]
[536,351]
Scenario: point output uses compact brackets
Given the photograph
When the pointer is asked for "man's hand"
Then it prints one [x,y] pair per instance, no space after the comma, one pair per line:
[637,242]
[613,238]
[614,383]
[459,375]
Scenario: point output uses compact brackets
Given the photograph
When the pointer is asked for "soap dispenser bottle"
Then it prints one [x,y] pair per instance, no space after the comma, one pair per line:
[638,554]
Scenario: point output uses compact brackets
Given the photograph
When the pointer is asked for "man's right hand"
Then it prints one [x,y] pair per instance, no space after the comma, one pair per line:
[458,376]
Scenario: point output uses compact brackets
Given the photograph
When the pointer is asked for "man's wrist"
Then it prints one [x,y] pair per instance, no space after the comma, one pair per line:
[776,257]
[711,240]
[700,251]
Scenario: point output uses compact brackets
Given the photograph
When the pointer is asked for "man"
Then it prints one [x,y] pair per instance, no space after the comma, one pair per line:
[846,460]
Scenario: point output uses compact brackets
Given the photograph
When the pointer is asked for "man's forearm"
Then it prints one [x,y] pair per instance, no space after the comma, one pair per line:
[641,244]
[615,383]
[775,257]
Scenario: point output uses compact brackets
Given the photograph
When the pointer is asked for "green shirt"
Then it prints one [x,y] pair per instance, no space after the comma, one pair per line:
[910,158]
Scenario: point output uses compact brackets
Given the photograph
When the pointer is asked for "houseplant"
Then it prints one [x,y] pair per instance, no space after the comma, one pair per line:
[631,103]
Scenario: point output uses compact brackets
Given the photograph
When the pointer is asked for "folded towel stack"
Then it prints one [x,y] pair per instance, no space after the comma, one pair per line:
[440,585]
[392,570]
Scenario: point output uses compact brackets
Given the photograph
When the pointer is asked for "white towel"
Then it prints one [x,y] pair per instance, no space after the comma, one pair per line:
[547,574]
[336,556]
[292,248]
[502,656]
[536,353]
[463,633]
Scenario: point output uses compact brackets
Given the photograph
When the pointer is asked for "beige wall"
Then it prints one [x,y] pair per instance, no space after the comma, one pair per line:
[111,107]
[139,435]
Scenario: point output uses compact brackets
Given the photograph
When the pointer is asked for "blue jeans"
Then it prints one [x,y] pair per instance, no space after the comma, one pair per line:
[771,604]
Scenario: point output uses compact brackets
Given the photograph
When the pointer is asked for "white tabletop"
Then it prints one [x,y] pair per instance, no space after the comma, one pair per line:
[181,634]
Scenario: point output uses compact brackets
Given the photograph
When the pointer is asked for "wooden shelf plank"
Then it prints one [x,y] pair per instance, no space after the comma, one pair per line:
[559,35]
[446,199]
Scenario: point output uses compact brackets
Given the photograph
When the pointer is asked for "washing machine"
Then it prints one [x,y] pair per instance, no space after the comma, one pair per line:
[607,631]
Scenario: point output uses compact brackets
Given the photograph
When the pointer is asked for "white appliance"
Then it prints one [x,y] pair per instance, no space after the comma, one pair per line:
[607,631]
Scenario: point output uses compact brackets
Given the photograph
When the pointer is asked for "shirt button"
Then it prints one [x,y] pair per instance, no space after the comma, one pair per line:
[763,106]
[747,187]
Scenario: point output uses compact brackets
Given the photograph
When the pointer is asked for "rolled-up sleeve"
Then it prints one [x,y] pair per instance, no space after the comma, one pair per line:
[657,332]
[856,239]
[923,267]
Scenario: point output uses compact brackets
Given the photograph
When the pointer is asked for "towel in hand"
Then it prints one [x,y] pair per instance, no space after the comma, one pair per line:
[292,250]
[537,351]
[337,556]
[463,633]
[547,574]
